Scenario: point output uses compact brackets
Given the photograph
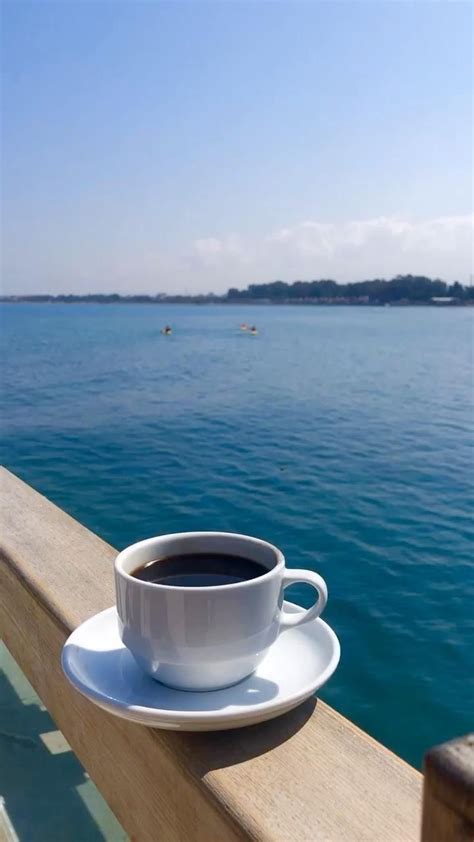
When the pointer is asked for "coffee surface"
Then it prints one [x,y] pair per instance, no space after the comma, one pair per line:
[199,570]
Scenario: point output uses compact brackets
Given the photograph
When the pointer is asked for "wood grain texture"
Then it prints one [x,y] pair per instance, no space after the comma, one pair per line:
[448,792]
[310,775]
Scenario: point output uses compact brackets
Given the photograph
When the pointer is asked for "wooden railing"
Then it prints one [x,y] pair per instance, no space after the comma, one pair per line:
[309,775]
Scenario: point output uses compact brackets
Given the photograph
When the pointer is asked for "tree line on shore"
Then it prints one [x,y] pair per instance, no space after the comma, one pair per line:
[403,289]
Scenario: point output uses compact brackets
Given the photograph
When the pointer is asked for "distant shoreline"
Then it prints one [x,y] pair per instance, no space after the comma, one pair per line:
[244,302]
[401,291]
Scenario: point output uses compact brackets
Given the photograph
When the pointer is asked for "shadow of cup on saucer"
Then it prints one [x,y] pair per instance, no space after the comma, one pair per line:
[136,684]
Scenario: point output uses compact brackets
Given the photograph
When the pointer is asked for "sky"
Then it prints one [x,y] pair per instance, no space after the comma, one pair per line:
[190,146]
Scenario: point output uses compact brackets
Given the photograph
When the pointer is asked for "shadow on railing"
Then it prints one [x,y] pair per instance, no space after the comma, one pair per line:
[228,750]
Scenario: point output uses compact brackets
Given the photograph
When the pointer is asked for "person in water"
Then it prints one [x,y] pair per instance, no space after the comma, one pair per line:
[167,330]
[253,330]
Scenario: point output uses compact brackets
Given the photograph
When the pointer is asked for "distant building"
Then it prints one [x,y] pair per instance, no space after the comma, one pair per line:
[442,299]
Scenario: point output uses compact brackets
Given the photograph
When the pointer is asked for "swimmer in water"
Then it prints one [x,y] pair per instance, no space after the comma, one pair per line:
[167,331]
[253,330]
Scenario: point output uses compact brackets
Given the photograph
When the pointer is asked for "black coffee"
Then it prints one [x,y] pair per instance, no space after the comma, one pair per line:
[199,570]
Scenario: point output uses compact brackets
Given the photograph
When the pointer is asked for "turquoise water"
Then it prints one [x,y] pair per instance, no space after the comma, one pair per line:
[341,434]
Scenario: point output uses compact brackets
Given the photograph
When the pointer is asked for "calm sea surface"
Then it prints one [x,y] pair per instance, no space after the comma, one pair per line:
[341,434]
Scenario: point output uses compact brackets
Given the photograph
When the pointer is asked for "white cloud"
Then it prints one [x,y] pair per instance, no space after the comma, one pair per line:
[313,248]
[211,249]
[351,250]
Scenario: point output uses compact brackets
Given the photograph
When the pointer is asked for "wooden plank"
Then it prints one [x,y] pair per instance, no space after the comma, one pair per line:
[448,792]
[310,775]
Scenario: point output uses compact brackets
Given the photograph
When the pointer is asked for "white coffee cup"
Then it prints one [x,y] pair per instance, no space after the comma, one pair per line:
[206,638]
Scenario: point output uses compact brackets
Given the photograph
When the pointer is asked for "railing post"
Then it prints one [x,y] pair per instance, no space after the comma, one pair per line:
[448,792]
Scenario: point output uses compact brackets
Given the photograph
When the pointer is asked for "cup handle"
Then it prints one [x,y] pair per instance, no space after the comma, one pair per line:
[291,577]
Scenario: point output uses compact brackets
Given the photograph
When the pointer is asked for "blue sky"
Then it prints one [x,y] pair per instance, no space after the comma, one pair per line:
[171,146]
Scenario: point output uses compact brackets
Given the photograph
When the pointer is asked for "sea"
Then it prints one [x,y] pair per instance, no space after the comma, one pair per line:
[341,434]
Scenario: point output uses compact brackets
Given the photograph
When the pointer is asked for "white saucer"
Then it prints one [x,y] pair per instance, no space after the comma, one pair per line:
[97,663]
